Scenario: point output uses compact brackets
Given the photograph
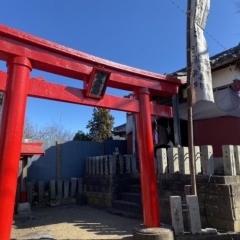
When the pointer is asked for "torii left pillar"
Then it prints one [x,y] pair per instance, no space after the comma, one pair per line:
[11,131]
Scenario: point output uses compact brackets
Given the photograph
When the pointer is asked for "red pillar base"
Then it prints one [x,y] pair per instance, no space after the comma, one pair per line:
[142,233]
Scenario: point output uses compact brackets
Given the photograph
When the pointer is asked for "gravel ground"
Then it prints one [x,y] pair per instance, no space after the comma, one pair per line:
[72,222]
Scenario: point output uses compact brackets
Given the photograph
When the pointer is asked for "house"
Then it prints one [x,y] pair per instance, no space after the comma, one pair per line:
[119,132]
[215,124]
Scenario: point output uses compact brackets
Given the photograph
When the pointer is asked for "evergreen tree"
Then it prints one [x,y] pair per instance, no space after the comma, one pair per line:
[81,136]
[100,125]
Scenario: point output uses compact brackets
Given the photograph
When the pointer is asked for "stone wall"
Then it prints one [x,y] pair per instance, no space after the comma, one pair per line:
[106,177]
[219,196]
[99,189]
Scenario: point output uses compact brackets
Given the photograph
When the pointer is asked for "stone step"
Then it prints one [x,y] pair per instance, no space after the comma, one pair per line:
[131,197]
[127,206]
[134,188]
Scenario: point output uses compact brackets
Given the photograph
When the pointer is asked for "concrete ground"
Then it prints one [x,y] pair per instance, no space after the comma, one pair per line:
[72,222]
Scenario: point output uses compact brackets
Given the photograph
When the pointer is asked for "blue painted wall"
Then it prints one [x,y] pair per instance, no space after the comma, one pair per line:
[73,156]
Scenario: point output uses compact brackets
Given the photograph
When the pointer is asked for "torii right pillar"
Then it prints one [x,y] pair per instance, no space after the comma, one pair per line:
[148,179]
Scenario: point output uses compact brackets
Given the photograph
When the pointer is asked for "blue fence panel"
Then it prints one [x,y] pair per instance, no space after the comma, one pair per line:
[73,157]
[110,145]
[43,168]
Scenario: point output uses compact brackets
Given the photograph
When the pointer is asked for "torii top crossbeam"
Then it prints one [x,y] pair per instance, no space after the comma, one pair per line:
[22,52]
[54,58]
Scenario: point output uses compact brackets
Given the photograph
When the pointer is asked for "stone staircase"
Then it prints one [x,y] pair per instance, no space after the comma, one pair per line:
[128,198]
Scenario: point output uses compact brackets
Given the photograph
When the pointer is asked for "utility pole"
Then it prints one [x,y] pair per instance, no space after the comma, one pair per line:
[189,102]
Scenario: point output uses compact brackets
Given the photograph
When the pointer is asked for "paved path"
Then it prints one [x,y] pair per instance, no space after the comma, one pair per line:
[73,222]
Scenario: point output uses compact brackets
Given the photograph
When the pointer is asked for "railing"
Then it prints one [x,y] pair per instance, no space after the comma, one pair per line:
[176,159]
[171,160]
[111,164]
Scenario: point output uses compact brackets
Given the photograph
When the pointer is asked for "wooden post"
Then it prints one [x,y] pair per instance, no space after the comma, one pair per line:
[176,121]
[189,101]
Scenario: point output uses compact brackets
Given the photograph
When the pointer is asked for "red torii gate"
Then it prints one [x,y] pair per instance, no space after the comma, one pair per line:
[22,52]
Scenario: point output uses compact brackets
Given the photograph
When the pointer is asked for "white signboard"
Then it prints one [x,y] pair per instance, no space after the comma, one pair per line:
[201,78]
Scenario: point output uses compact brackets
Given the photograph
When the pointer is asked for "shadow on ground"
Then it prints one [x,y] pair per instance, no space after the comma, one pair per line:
[73,222]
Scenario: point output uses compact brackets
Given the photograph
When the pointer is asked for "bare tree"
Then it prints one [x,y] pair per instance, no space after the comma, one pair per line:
[53,131]
[29,131]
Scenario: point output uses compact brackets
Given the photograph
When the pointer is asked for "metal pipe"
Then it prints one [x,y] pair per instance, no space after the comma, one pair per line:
[11,129]
[146,161]
[189,103]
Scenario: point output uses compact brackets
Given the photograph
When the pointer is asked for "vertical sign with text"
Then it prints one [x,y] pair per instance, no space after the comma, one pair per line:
[201,78]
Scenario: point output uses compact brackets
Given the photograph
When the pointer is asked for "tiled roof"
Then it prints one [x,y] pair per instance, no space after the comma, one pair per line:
[220,60]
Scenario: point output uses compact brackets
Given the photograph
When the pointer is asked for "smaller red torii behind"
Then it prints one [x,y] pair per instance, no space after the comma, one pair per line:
[22,52]
[28,149]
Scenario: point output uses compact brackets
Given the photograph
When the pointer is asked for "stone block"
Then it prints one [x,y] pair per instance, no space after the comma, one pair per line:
[87,166]
[134,164]
[183,158]
[173,160]
[59,189]
[24,208]
[194,214]
[237,158]
[97,165]
[101,163]
[29,193]
[203,178]
[52,189]
[106,202]
[107,196]
[184,177]
[114,163]
[93,165]
[225,179]
[65,188]
[221,223]
[222,189]
[90,165]
[80,186]
[40,193]
[197,155]
[229,166]
[106,165]
[176,214]
[121,164]
[220,212]
[172,177]
[207,160]
[235,189]
[73,187]
[161,176]
[128,163]
[162,166]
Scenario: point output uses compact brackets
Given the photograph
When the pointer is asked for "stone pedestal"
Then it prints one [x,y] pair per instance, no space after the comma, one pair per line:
[159,233]
[176,213]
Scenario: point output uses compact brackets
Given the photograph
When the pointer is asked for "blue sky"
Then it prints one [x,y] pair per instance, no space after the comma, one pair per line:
[145,34]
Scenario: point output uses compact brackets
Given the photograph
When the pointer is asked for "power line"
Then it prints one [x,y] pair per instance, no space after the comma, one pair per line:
[188,15]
